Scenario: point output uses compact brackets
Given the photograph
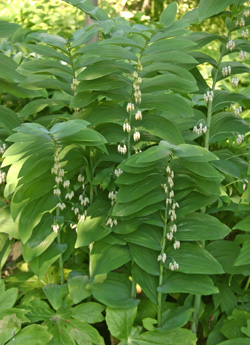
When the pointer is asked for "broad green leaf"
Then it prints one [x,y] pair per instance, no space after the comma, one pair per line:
[147,282]
[226,298]
[54,294]
[39,310]
[77,288]
[244,256]
[8,70]
[176,282]
[90,230]
[193,202]
[90,312]
[102,68]
[108,82]
[146,236]
[41,264]
[162,128]
[145,258]
[200,226]
[138,190]
[232,327]
[173,103]
[30,335]
[168,15]
[175,318]
[180,336]
[168,45]
[8,297]
[8,119]
[115,291]
[192,153]
[5,246]
[61,331]
[169,81]
[171,57]
[246,330]
[85,334]
[105,257]
[121,210]
[243,225]
[9,326]
[226,253]
[120,321]
[38,105]
[40,240]
[225,125]
[235,341]
[188,254]
[32,214]
[7,29]
[209,8]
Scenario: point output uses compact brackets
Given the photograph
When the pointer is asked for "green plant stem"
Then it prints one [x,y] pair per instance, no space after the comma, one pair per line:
[247,284]
[60,260]
[197,299]
[163,247]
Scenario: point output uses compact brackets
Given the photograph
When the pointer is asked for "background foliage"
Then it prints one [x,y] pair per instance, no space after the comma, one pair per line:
[124,174]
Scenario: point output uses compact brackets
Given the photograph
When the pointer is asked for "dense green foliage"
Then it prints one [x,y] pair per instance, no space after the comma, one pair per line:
[124,180]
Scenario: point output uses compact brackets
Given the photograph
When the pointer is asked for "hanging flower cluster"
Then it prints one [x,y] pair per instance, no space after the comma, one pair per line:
[122,148]
[171,206]
[200,129]
[244,33]
[242,55]
[2,177]
[239,139]
[235,82]
[118,172]
[226,71]
[230,45]
[245,184]
[209,96]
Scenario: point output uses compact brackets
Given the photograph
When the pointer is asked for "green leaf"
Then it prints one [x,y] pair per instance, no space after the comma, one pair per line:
[235,341]
[169,81]
[162,128]
[54,294]
[145,258]
[77,288]
[146,236]
[8,119]
[7,29]
[8,70]
[9,326]
[226,253]
[40,240]
[32,214]
[246,330]
[30,335]
[232,327]
[188,254]
[180,336]
[114,292]
[170,102]
[5,246]
[209,8]
[41,264]
[177,282]
[243,225]
[120,322]
[168,15]
[200,226]
[8,298]
[105,257]
[147,282]
[175,318]
[126,209]
[85,334]
[38,105]
[90,312]
[244,256]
